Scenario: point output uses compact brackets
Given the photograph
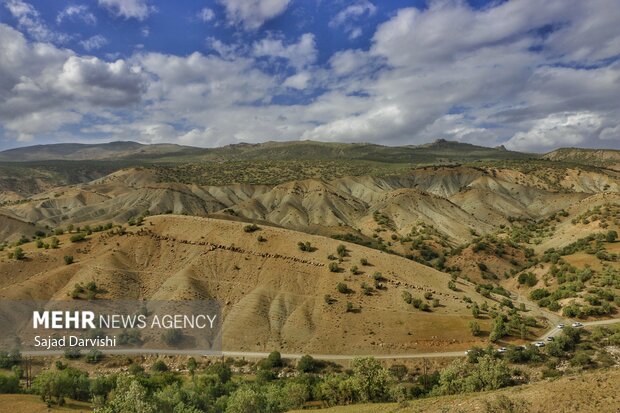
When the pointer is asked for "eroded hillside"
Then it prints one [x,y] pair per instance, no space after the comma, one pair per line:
[287,298]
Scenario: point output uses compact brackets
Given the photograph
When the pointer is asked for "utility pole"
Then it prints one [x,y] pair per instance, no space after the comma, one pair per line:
[425,369]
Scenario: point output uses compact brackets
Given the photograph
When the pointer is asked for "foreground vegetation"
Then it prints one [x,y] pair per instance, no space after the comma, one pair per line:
[275,385]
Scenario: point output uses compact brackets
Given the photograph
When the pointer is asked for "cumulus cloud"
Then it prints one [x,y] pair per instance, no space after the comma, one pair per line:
[79,12]
[298,54]
[29,20]
[349,62]
[98,82]
[298,81]
[206,14]
[94,42]
[197,82]
[498,75]
[252,14]
[137,9]
[43,88]
[496,66]
[559,129]
[349,16]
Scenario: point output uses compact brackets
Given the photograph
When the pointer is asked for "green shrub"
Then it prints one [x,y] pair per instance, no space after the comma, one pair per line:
[18,253]
[94,356]
[251,228]
[78,237]
[159,366]
[341,250]
[306,246]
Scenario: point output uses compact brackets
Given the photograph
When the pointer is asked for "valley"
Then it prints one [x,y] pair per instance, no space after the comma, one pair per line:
[345,256]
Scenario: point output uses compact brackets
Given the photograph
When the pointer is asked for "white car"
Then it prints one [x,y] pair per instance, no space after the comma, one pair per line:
[539,344]
[577,324]
[560,326]
[550,338]
[502,350]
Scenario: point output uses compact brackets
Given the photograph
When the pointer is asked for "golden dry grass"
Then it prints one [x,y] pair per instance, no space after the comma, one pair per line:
[270,288]
[26,403]
[597,392]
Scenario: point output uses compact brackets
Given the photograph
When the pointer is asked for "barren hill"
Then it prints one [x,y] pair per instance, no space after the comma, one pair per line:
[453,200]
[266,286]
[598,157]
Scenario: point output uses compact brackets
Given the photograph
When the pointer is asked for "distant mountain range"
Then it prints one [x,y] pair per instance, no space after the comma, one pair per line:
[438,151]
[81,152]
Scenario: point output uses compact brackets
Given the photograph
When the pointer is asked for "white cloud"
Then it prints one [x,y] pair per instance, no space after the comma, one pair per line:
[43,88]
[349,61]
[353,11]
[592,37]
[197,82]
[98,82]
[137,9]
[206,14]
[359,128]
[448,71]
[94,42]
[299,54]
[29,20]
[80,12]
[347,17]
[298,81]
[559,129]
[252,14]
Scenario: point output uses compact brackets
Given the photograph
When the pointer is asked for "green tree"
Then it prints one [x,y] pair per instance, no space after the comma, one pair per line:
[129,396]
[372,379]
[475,310]
[488,373]
[475,328]
[499,328]
[307,364]
[9,384]
[246,400]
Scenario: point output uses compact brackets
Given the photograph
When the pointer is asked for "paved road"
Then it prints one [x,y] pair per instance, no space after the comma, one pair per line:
[334,357]
[553,318]
[556,330]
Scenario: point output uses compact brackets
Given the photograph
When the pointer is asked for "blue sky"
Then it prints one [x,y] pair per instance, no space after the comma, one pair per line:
[527,74]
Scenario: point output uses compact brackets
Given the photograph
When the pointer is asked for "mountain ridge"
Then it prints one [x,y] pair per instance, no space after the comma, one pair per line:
[450,150]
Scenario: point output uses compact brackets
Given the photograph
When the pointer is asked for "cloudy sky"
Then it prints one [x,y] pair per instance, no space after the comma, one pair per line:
[532,75]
